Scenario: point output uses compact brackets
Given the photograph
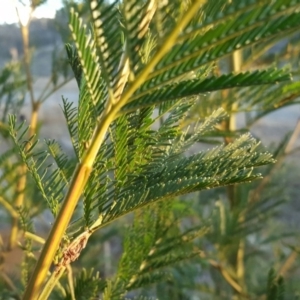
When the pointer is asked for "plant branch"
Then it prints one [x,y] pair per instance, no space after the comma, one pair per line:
[51,283]
[43,97]
[162,51]
[25,40]
[288,149]
[237,61]
[47,85]
[226,275]
[9,207]
[70,281]
[142,77]
[229,125]
[9,283]
[33,124]
[83,169]
[288,263]
[34,237]
[282,103]
[79,180]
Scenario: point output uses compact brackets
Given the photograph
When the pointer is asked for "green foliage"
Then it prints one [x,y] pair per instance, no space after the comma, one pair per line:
[151,251]
[86,286]
[275,289]
[197,87]
[28,260]
[222,36]
[12,85]
[143,69]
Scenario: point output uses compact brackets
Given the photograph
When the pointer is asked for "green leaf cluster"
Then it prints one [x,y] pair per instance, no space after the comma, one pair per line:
[143,68]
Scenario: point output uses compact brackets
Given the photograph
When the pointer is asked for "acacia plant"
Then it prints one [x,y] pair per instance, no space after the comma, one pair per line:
[139,64]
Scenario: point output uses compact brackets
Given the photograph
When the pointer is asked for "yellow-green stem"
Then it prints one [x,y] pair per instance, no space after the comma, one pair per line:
[141,78]
[165,47]
[229,125]
[225,273]
[237,261]
[290,261]
[237,60]
[34,237]
[8,207]
[83,170]
[240,265]
[51,283]
[78,182]
[33,124]
[40,272]
[25,39]
[71,282]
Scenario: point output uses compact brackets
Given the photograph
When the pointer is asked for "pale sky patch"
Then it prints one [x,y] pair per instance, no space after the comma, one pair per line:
[8,11]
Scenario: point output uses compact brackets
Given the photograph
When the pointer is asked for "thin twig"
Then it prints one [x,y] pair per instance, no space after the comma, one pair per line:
[70,281]
[288,263]
[55,88]
[226,275]
[9,207]
[34,237]
[288,150]
[45,89]
[9,283]
[25,40]
[293,138]
[51,283]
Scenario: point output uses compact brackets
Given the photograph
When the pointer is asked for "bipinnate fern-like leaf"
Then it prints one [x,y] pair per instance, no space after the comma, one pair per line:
[190,54]
[124,162]
[74,62]
[120,141]
[107,33]
[51,183]
[172,181]
[169,172]
[63,162]
[195,87]
[161,169]
[86,116]
[258,100]
[152,247]
[147,165]
[87,55]
[222,39]
[71,116]
[136,18]
[120,61]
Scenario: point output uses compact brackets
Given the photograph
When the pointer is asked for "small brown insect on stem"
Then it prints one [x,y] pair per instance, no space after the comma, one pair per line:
[72,252]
